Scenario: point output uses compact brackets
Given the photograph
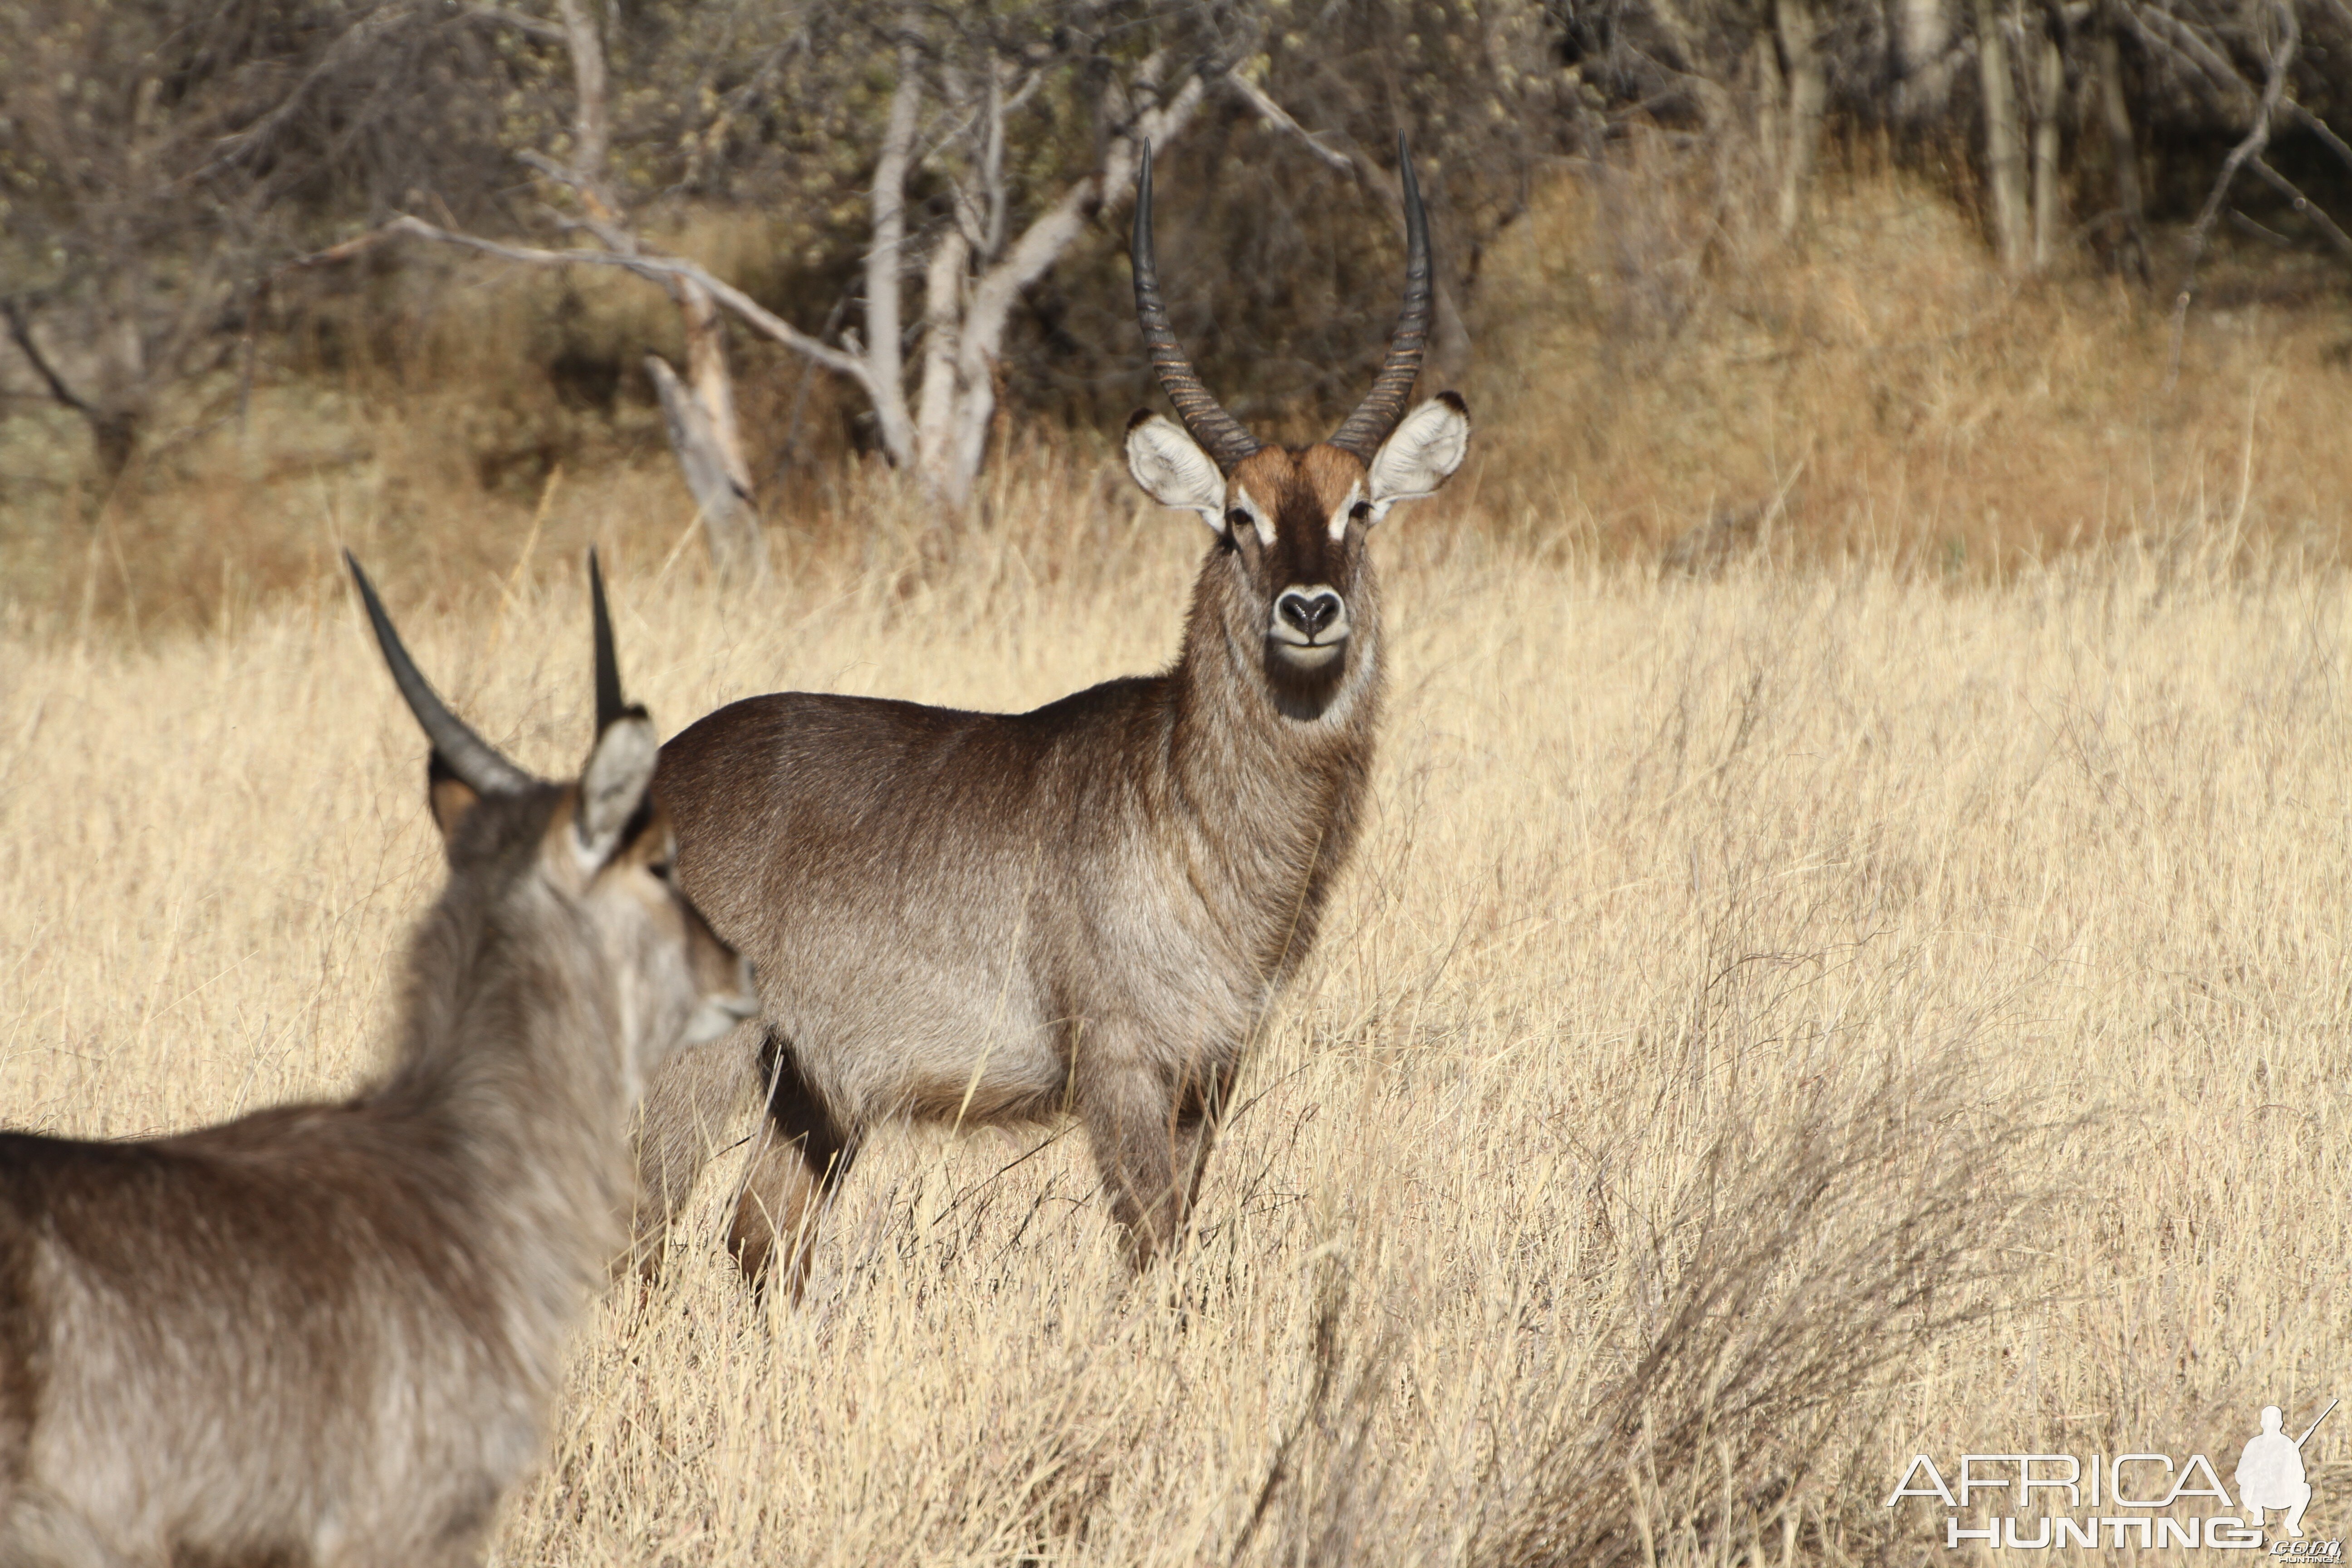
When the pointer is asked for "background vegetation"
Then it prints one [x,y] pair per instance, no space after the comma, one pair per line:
[1677,296]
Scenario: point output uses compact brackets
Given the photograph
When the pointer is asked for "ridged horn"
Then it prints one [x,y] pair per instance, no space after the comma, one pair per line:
[1220,435]
[472,759]
[609,704]
[1383,407]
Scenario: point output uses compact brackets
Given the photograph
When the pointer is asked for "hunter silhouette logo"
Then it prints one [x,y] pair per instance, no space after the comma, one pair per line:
[2270,1472]
[2148,1500]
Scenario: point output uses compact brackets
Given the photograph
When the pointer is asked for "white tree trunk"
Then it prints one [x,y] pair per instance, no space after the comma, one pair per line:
[943,304]
[886,380]
[2004,157]
[707,375]
[737,546]
[1924,42]
[2049,88]
[1808,91]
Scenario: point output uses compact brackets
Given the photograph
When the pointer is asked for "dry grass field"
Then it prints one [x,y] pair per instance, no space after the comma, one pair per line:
[1882,990]
[1778,1023]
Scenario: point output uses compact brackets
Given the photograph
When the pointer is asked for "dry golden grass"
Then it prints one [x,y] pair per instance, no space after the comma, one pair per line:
[1883,387]
[1777,1023]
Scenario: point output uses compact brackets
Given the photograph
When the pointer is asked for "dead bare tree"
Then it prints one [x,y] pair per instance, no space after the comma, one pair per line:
[974,266]
[155,158]
[328,1333]
[958,90]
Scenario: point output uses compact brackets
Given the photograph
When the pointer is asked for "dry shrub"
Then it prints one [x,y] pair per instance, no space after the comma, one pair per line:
[1794,1276]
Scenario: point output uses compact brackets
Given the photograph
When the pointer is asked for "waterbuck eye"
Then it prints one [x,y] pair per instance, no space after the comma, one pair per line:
[1360,510]
[1237,519]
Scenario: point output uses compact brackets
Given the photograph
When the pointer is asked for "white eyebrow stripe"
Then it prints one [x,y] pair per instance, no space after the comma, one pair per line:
[1339,518]
[1264,524]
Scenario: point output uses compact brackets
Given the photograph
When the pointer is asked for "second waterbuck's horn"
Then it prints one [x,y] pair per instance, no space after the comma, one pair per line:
[610,705]
[1220,435]
[1383,407]
[473,760]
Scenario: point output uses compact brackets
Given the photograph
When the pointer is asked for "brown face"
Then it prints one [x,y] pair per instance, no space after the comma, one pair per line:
[643,871]
[694,985]
[1296,519]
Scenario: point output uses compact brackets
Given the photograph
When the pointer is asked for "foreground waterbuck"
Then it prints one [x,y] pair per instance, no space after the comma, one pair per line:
[327,1334]
[979,918]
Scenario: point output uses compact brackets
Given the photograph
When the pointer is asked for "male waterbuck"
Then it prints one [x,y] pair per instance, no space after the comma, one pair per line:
[980,917]
[327,1333]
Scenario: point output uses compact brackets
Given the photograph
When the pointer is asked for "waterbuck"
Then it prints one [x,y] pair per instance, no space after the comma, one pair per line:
[327,1334]
[977,918]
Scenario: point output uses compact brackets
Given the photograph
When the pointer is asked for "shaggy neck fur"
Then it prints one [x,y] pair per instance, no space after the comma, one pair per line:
[512,1061]
[1272,799]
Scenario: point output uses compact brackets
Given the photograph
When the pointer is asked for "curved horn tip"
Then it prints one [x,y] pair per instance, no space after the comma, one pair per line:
[1383,407]
[609,704]
[1223,437]
[456,747]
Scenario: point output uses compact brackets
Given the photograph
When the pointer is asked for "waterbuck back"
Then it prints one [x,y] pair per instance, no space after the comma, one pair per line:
[328,1333]
[982,917]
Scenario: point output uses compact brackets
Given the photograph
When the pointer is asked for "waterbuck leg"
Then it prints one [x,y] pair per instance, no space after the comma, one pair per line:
[1151,1143]
[801,1156]
[692,1106]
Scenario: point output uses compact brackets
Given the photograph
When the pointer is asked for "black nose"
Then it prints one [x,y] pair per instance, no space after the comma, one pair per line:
[1310,612]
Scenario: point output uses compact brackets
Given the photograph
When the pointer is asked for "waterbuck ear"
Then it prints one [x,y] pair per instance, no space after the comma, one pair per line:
[614,784]
[1173,470]
[448,797]
[1423,452]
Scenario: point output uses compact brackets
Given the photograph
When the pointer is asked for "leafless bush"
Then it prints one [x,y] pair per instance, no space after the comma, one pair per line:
[1796,1268]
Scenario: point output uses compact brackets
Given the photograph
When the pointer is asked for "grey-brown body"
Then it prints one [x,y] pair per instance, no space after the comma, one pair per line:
[328,1333]
[983,918]
[977,918]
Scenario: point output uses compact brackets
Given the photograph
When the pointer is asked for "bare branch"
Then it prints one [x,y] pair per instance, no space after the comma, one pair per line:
[20,331]
[354,44]
[721,495]
[2189,44]
[1273,114]
[591,132]
[662,269]
[1047,236]
[2305,206]
[2257,138]
[530,27]
[2321,128]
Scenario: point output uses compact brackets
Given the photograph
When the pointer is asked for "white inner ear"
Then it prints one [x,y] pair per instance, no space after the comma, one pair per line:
[1422,454]
[1173,471]
[613,783]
